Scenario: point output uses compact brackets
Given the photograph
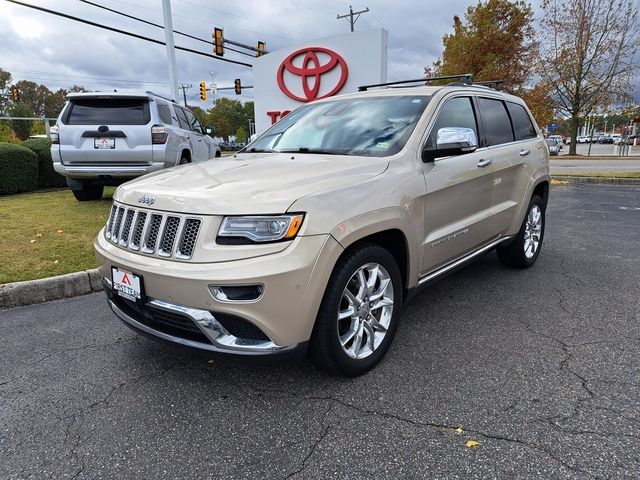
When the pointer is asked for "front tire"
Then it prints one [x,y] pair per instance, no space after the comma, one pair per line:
[359,313]
[89,191]
[523,251]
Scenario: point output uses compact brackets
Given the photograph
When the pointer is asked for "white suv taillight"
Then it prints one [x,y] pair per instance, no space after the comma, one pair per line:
[53,132]
[159,135]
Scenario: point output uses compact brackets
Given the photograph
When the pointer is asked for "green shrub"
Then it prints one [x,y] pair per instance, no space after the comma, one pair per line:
[18,169]
[47,176]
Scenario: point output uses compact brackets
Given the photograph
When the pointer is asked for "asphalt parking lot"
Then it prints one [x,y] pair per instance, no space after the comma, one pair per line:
[540,367]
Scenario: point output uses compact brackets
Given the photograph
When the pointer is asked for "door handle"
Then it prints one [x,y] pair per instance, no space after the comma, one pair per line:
[188,137]
[485,162]
[199,139]
[524,152]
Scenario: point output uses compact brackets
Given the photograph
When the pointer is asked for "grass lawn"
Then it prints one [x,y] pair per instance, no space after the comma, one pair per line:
[48,233]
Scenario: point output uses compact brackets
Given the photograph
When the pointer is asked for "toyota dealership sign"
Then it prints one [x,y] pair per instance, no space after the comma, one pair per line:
[288,78]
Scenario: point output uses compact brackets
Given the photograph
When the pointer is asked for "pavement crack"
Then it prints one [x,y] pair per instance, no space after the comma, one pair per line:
[311,451]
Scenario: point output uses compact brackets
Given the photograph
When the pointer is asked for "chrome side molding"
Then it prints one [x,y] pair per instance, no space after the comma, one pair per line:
[465,258]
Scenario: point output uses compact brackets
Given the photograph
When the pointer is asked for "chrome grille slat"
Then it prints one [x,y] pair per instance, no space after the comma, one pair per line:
[168,237]
[126,227]
[138,230]
[112,217]
[151,232]
[188,238]
[115,233]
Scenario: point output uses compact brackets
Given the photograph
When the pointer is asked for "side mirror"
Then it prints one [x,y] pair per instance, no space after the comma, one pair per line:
[451,141]
[209,130]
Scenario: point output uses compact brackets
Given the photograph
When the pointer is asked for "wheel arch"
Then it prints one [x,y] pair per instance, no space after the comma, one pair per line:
[389,232]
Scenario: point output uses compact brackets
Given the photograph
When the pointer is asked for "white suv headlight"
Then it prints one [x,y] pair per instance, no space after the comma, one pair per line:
[260,228]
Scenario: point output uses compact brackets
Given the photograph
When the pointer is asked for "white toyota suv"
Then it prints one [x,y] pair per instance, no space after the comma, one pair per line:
[109,138]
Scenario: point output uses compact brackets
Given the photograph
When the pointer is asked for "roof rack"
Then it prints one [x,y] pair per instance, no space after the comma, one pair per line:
[467,78]
[495,84]
[149,92]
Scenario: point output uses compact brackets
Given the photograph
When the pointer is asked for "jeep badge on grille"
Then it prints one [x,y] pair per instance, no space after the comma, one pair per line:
[147,200]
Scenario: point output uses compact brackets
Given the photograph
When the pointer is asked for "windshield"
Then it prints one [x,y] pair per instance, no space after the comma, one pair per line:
[552,143]
[373,126]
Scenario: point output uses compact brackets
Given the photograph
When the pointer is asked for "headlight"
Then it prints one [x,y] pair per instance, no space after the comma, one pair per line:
[259,228]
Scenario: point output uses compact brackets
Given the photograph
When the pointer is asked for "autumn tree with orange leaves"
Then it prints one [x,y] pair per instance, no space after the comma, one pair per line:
[497,41]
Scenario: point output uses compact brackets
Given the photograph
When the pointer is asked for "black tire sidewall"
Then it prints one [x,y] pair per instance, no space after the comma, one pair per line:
[331,304]
[519,241]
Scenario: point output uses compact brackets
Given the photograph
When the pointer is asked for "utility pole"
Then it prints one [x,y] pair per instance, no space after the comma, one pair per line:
[184,91]
[352,14]
[171,51]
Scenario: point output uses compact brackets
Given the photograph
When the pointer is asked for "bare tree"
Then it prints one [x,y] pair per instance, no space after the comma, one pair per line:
[589,54]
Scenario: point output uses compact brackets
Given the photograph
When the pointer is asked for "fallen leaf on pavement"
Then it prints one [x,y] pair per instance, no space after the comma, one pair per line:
[39,235]
[55,261]
[60,231]
[32,241]
[472,444]
[458,430]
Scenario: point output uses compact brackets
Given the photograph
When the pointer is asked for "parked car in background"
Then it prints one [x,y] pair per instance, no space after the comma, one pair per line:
[582,139]
[557,138]
[108,138]
[309,238]
[605,139]
[554,146]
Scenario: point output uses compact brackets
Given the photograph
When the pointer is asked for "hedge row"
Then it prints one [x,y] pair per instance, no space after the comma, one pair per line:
[18,169]
[47,176]
[27,166]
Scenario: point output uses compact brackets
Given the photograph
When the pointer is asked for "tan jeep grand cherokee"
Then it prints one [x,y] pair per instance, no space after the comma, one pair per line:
[310,238]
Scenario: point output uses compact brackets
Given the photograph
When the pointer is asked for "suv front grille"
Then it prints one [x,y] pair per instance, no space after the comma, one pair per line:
[153,233]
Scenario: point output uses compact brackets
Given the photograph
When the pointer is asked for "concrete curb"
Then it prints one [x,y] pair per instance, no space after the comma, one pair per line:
[604,180]
[19,294]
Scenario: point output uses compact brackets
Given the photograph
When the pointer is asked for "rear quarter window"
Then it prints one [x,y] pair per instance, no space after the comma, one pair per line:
[108,111]
[165,113]
[522,124]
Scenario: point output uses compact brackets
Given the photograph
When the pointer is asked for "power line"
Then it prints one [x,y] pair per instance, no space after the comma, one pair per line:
[208,42]
[351,16]
[123,32]
[242,17]
[208,22]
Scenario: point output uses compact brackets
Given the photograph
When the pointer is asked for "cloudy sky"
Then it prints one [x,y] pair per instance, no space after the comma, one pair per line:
[59,52]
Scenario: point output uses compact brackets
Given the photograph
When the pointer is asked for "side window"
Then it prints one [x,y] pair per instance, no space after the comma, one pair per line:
[522,124]
[495,120]
[193,121]
[182,118]
[165,113]
[456,112]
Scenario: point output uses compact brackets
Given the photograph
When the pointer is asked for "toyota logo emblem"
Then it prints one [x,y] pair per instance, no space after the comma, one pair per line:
[147,200]
[310,72]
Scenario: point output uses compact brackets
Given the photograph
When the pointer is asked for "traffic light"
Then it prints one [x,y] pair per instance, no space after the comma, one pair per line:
[237,86]
[15,94]
[261,47]
[218,42]
[203,91]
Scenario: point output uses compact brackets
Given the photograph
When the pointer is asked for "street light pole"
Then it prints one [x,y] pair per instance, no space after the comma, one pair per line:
[171,52]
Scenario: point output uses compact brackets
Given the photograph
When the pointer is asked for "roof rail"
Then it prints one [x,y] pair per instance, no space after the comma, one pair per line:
[161,96]
[467,78]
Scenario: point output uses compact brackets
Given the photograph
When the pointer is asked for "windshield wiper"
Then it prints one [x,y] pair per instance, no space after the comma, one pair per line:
[313,150]
[258,150]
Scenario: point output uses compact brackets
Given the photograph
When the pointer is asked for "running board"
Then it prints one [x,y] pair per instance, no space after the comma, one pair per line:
[462,260]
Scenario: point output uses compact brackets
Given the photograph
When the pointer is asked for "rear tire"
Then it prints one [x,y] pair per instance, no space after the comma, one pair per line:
[184,160]
[89,191]
[359,314]
[523,251]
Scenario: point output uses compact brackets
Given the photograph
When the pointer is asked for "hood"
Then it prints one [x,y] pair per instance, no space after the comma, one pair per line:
[250,184]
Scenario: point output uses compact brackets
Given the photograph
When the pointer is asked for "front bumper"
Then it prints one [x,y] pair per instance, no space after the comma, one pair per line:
[214,337]
[293,280]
